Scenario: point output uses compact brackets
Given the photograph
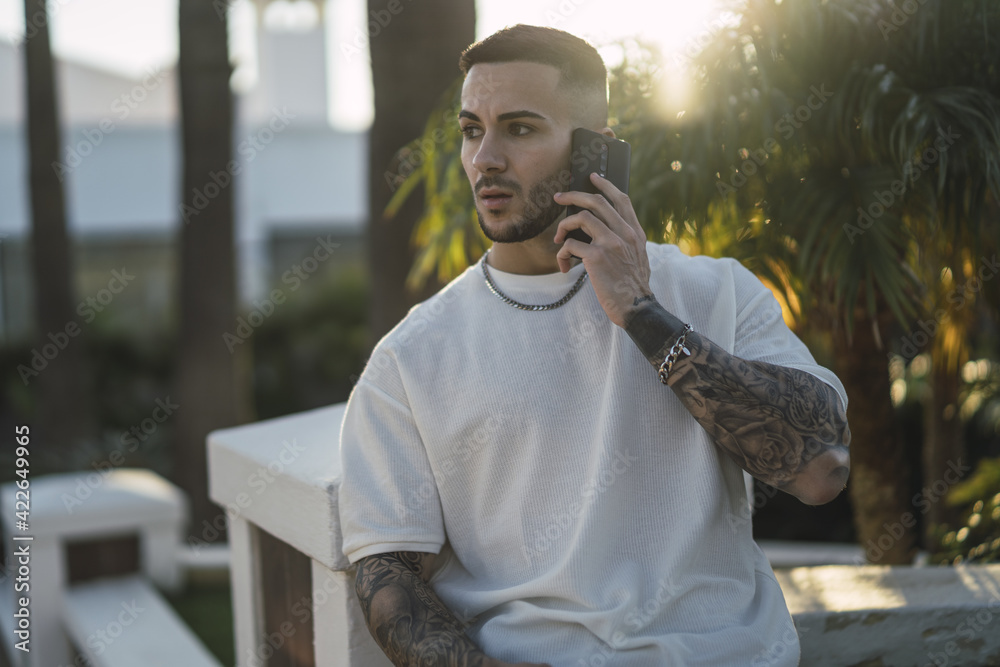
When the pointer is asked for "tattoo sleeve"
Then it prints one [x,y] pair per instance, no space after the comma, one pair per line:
[406,618]
[784,426]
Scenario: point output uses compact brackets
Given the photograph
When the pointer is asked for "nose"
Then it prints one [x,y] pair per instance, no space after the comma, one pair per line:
[490,157]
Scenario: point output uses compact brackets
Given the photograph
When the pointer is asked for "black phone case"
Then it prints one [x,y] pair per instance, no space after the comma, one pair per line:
[595,152]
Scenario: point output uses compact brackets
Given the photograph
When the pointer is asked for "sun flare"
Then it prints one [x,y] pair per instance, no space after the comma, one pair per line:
[678,29]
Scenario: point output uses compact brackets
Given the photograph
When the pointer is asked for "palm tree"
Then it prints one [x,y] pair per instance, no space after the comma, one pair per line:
[414,56]
[206,383]
[64,415]
[836,146]
[884,184]
[808,152]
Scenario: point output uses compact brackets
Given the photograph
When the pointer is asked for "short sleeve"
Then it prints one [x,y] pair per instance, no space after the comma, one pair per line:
[762,335]
[388,498]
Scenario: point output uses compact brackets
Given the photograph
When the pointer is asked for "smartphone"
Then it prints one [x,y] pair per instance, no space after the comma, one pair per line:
[595,152]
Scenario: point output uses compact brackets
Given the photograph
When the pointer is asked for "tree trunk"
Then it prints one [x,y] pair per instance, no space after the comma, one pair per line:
[880,471]
[944,446]
[64,417]
[414,60]
[206,370]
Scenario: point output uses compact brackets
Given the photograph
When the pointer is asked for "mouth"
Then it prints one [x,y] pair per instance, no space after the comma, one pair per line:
[494,198]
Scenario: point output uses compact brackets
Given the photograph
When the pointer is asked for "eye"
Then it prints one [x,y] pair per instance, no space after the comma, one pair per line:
[471,131]
[519,130]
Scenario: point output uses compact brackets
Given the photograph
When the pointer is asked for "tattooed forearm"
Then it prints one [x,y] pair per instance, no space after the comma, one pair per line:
[644,297]
[652,329]
[784,426]
[406,618]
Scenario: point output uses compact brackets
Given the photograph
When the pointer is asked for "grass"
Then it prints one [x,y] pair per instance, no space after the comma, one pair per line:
[208,610]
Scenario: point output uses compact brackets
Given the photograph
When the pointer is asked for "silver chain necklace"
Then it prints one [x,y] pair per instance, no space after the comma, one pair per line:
[524,306]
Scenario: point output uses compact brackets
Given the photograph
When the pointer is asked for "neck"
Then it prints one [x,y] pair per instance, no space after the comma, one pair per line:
[533,257]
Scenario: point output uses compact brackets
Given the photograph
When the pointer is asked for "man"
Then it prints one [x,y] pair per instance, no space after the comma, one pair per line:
[519,485]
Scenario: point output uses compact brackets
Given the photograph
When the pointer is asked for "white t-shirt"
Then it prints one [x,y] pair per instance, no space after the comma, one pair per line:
[583,516]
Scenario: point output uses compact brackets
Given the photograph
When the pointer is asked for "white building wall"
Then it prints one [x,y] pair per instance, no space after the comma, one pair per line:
[121,155]
[291,71]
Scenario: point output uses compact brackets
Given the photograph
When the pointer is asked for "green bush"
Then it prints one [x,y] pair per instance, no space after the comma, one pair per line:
[977,539]
[307,354]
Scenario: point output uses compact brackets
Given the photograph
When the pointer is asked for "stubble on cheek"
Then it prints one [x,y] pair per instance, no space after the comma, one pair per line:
[538,212]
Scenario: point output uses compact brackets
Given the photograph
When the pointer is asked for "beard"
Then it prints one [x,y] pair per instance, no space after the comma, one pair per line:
[540,209]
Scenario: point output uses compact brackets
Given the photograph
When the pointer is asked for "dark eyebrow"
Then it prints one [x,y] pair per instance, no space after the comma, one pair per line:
[510,115]
[524,113]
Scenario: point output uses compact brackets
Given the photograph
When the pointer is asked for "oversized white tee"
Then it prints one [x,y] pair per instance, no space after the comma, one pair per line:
[582,516]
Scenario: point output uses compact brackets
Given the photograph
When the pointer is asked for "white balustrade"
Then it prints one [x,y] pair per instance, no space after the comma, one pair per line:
[278,481]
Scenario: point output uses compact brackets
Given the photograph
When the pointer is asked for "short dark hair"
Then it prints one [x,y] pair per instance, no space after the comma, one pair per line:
[580,65]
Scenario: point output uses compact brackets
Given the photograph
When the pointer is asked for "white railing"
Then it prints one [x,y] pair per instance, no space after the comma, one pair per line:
[293,589]
[46,616]
[277,481]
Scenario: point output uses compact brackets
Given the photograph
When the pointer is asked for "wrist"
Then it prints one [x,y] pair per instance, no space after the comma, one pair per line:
[676,352]
[635,308]
[653,329]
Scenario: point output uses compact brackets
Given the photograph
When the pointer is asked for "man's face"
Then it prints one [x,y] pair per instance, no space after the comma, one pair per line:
[516,147]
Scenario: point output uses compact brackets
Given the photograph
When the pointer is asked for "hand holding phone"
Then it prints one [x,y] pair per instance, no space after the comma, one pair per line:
[595,152]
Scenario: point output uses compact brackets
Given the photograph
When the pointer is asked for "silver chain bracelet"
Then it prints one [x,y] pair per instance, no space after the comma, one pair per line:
[675,353]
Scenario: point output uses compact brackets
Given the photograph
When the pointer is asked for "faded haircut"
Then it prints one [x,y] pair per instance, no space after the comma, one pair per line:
[582,71]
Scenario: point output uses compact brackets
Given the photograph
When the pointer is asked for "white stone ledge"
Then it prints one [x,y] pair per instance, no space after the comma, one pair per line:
[124,622]
[782,553]
[895,616]
[283,474]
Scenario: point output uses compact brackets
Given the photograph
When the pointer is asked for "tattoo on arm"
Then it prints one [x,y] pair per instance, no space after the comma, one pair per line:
[773,421]
[640,299]
[406,617]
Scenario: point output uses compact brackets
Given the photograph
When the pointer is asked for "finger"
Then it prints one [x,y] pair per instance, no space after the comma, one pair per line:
[599,207]
[619,200]
[585,220]
[570,250]
[596,204]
